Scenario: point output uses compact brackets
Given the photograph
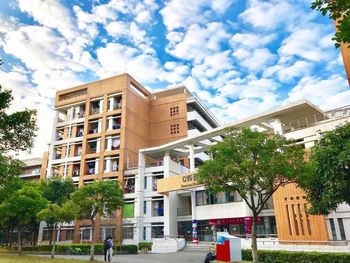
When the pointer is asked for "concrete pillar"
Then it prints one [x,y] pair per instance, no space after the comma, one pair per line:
[51,147]
[193,197]
[139,200]
[277,126]
[167,205]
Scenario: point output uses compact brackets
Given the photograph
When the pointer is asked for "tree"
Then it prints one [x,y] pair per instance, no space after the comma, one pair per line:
[95,199]
[54,215]
[337,10]
[255,165]
[329,184]
[17,130]
[57,191]
[21,209]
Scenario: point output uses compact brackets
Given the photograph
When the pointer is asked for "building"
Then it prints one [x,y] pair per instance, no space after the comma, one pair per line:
[98,130]
[186,203]
[345,52]
[34,168]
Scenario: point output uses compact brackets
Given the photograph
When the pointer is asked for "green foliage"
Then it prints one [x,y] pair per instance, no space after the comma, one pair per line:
[57,190]
[336,10]
[96,198]
[271,256]
[54,214]
[23,205]
[9,169]
[254,164]
[17,130]
[329,184]
[83,249]
[145,246]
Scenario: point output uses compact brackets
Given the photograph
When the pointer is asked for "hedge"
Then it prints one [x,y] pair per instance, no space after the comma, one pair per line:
[145,246]
[280,256]
[82,249]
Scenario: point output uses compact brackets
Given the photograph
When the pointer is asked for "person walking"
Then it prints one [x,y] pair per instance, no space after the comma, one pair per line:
[109,246]
[105,249]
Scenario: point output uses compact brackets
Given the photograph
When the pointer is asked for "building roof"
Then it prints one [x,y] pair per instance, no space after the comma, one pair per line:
[285,113]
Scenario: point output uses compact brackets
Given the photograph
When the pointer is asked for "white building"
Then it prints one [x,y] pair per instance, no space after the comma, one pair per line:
[183,201]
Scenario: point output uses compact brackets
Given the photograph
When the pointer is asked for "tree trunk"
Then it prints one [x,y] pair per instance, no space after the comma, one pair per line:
[19,241]
[53,242]
[92,246]
[254,241]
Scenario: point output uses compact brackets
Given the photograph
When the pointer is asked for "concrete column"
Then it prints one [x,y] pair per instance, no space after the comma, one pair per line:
[139,183]
[193,197]
[51,147]
[167,205]
[98,145]
[277,126]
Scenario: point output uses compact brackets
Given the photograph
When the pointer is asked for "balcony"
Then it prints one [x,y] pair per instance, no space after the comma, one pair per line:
[184,211]
[129,185]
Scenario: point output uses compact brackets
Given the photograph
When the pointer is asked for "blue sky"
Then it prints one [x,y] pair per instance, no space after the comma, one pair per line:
[240,57]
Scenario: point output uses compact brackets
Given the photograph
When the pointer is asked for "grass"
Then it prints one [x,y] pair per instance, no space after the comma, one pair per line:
[13,258]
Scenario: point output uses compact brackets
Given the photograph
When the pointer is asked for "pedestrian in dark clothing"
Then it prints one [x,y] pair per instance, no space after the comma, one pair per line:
[105,249]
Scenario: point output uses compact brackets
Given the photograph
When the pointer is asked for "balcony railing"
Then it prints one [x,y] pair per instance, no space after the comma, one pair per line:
[184,211]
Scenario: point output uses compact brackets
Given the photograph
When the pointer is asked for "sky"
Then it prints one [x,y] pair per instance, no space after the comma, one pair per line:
[240,57]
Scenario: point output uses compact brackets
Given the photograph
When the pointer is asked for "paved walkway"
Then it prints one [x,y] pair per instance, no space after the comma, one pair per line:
[179,257]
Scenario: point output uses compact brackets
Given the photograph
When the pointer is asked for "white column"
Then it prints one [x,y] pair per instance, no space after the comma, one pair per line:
[277,126]
[166,161]
[193,197]
[139,183]
[51,147]
[99,127]
[192,163]
[96,166]
[101,106]
[98,145]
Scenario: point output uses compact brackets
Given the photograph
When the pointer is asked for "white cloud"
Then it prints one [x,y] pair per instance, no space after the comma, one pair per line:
[50,13]
[255,60]
[199,42]
[318,90]
[271,14]
[286,73]
[250,40]
[179,14]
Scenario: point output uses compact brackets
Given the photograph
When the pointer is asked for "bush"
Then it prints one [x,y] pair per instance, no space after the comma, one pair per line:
[280,256]
[145,246]
[82,249]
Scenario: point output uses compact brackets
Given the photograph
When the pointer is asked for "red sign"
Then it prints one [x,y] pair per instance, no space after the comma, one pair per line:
[234,221]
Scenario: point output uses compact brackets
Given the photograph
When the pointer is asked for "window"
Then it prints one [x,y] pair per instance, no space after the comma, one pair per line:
[174,128]
[144,207]
[158,208]
[207,198]
[145,183]
[111,164]
[85,233]
[174,111]
[128,231]
[114,122]
[341,229]
[157,230]
[112,143]
[155,180]
[92,166]
[69,234]
[128,208]
[96,106]
[95,126]
[93,146]
[80,131]
[46,235]
[114,103]
[76,169]
[129,185]
[334,234]
[107,231]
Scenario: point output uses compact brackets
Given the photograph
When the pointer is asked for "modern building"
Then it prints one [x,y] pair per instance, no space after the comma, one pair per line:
[345,52]
[187,204]
[34,168]
[152,143]
[98,130]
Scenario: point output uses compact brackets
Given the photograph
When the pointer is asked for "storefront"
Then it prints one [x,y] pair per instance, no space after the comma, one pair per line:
[241,227]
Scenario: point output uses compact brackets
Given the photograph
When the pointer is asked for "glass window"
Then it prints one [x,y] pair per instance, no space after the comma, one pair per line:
[157,231]
[128,210]
[334,234]
[69,234]
[202,198]
[128,232]
[46,235]
[341,229]
[86,234]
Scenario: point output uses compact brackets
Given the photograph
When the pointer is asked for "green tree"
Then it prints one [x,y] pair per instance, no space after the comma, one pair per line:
[337,10]
[93,200]
[17,130]
[54,215]
[255,165]
[329,184]
[57,191]
[21,209]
